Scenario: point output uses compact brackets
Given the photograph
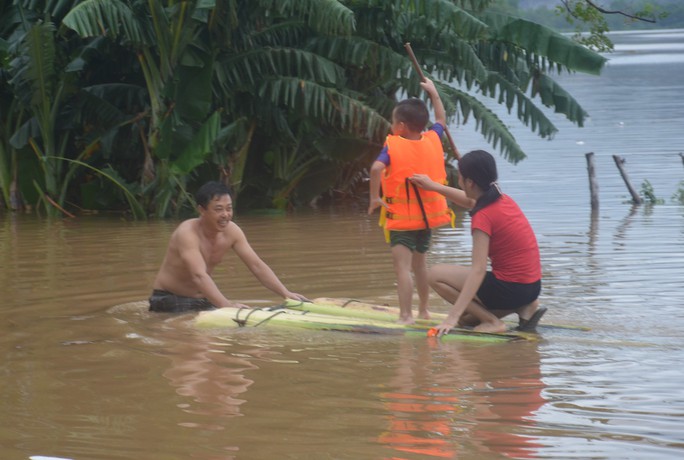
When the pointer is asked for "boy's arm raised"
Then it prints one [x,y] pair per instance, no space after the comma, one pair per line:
[416,67]
[437,105]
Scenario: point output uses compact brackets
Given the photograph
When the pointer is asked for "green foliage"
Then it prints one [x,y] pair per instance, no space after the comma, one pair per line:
[586,18]
[285,100]
[648,193]
[39,82]
[590,24]
[543,44]
[113,18]
[679,194]
[128,190]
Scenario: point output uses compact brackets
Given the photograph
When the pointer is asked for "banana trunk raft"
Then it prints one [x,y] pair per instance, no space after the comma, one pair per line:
[345,315]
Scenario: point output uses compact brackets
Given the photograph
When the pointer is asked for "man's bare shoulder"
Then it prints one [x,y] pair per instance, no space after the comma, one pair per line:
[187,226]
[191,230]
[187,231]
[233,229]
[233,234]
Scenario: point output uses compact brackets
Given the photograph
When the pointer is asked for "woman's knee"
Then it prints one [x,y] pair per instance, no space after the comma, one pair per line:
[439,275]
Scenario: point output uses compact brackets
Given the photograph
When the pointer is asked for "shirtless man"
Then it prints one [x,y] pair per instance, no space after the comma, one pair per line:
[198,245]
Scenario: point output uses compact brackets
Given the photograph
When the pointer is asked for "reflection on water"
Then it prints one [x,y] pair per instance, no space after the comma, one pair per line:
[446,400]
[82,380]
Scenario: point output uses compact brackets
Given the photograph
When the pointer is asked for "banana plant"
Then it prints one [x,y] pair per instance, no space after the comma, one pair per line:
[177,67]
[6,111]
[8,154]
[226,82]
[474,53]
[41,84]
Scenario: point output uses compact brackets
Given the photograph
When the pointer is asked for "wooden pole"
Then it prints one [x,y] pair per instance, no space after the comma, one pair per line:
[636,199]
[419,71]
[682,155]
[593,185]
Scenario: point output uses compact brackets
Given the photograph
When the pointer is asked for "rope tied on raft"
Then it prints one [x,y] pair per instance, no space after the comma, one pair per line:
[238,321]
[349,301]
[242,322]
[265,320]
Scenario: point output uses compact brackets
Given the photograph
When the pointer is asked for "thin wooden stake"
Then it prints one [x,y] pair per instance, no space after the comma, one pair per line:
[593,185]
[636,199]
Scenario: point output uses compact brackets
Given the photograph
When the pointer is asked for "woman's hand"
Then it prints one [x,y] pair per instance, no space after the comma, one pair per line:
[423,181]
[442,329]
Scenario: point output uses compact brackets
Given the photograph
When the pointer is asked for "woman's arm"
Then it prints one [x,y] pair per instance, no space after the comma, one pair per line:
[455,195]
[473,281]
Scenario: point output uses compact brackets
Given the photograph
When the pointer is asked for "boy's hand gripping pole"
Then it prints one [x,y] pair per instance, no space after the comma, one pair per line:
[418,70]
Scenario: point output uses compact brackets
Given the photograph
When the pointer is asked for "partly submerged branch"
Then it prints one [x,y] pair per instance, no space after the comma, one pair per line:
[600,9]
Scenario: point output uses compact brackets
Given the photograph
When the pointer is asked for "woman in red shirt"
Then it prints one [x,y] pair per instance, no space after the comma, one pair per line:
[501,233]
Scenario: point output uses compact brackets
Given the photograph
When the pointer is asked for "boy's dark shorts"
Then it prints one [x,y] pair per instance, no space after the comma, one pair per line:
[415,240]
[168,302]
[503,295]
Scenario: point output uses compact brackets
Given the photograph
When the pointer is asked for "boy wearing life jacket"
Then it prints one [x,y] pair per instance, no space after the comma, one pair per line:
[409,213]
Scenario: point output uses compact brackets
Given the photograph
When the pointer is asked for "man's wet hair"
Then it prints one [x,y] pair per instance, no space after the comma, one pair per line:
[413,112]
[209,191]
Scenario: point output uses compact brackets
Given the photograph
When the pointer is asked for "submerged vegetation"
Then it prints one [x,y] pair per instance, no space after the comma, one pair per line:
[128,104]
[647,193]
[679,194]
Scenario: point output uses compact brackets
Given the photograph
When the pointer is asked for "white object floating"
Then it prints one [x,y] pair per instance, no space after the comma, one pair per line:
[42,457]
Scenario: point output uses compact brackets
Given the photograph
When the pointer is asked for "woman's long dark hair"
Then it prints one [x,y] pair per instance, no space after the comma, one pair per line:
[480,167]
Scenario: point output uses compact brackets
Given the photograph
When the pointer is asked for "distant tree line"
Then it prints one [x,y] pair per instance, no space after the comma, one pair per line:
[595,18]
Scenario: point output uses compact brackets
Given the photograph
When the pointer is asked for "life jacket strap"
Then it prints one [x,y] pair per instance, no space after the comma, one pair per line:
[397,216]
[408,184]
[397,200]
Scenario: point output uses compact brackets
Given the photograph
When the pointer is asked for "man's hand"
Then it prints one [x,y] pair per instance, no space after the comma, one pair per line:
[237,305]
[295,296]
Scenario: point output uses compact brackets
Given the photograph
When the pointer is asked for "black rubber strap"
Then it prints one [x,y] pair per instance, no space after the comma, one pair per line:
[420,201]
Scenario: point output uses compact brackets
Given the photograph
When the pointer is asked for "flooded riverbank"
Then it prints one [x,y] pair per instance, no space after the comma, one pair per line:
[83,381]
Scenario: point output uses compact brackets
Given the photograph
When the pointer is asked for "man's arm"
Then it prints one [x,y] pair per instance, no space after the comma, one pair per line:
[474,279]
[260,269]
[437,105]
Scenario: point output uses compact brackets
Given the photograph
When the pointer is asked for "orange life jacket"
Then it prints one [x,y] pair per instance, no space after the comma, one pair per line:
[409,207]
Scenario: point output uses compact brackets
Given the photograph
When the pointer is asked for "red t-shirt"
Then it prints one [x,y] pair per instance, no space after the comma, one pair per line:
[513,248]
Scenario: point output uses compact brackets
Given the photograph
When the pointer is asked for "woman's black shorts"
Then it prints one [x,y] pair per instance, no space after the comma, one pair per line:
[503,295]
